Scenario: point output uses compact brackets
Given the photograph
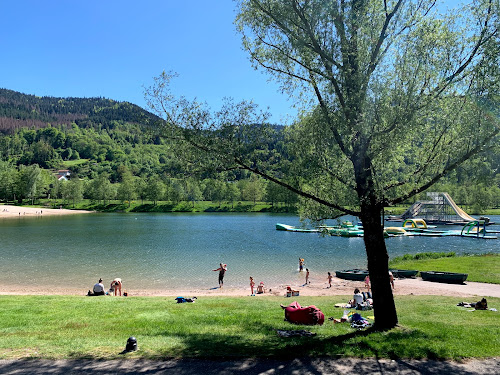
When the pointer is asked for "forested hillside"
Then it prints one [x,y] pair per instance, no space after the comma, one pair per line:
[112,154]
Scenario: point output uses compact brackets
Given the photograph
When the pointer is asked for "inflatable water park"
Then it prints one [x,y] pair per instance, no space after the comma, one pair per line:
[440,210]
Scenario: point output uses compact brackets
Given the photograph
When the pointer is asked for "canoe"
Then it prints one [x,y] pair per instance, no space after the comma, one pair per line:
[291,228]
[404,273]
[444,277]
[354,274]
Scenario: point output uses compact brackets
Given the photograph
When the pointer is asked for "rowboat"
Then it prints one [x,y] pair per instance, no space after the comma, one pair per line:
[354,274]
[404,273]
[444,277]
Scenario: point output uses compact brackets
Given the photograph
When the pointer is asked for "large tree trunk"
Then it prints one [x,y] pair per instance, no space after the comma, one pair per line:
[378,266]
[376,251]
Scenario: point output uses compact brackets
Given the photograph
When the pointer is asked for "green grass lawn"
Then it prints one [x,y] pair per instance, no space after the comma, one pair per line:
[483,268]
[235,327]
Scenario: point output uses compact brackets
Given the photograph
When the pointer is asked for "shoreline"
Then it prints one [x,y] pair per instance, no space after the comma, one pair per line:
[9,212]
[315,289]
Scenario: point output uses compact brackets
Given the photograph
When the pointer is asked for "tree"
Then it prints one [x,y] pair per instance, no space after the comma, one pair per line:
[193,191]
[154,189]
[8,175]
[395,97]
[29,183]
[72,190]
[126,189]
[100,189]
[253,189]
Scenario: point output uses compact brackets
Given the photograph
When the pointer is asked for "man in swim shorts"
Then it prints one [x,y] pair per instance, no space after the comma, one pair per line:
[222,271]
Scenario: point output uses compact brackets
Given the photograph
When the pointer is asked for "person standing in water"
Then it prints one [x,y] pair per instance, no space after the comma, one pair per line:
[301,264]
[252,284]
[222,271]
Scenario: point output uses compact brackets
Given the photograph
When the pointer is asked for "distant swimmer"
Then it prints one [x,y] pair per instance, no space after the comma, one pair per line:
[301,264]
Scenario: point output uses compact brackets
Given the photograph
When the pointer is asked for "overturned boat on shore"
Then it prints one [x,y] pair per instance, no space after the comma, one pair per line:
[354,274]
[444,277]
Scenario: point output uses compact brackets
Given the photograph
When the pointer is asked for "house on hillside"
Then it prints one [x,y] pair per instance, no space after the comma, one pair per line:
[63,174]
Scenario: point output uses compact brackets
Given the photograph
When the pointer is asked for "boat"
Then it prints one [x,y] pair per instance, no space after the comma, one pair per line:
[291,228]
[404,273]
[444,277]
[354,274]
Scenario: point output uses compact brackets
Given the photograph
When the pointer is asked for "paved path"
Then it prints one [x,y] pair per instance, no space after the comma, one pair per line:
[313,366]
[419,286]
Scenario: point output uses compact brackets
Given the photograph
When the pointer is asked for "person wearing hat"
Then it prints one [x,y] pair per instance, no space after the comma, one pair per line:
[99,288]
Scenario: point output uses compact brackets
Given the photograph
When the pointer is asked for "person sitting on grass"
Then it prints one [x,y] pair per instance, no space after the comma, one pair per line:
[357,298]
[99,288]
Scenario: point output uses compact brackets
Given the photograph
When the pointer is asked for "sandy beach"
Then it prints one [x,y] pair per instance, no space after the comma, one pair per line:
[8,211]
[317,288]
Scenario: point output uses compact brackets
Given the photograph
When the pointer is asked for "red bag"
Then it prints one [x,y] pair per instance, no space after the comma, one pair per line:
[310,315]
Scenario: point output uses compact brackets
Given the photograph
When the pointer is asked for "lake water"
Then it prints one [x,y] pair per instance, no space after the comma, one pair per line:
[164,251]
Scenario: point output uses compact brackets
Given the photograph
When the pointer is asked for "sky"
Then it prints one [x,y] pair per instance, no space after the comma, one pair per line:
[114,49]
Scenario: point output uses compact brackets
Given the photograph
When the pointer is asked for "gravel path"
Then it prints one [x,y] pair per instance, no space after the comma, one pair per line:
[303,366]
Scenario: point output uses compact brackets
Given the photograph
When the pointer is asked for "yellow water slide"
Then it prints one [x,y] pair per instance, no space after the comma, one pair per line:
[464,215]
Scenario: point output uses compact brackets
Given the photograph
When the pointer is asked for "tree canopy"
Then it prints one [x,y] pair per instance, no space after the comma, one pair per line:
[396,94]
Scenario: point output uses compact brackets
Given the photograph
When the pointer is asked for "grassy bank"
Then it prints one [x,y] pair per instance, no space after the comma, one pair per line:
[216,327]
[199,206]
[480,268]
[165,206]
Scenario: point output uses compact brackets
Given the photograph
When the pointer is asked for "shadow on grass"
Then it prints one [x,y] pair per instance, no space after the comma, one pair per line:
[395,344]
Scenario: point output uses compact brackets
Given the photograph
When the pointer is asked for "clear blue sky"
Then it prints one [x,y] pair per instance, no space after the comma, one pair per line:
[113,48]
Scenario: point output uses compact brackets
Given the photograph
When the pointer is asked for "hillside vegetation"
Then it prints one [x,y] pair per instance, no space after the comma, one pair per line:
[113,153]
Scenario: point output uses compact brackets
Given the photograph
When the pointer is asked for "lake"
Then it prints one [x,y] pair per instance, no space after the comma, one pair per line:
[172,251]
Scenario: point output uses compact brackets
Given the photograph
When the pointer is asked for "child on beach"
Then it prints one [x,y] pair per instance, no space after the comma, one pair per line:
[252,284]
[367,283]
[330,279]
[307,277]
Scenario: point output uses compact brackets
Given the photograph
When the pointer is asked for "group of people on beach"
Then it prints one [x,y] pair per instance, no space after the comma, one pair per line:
[115,287]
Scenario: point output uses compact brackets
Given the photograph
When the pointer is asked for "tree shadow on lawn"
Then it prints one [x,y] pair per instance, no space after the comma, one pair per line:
[395,344]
